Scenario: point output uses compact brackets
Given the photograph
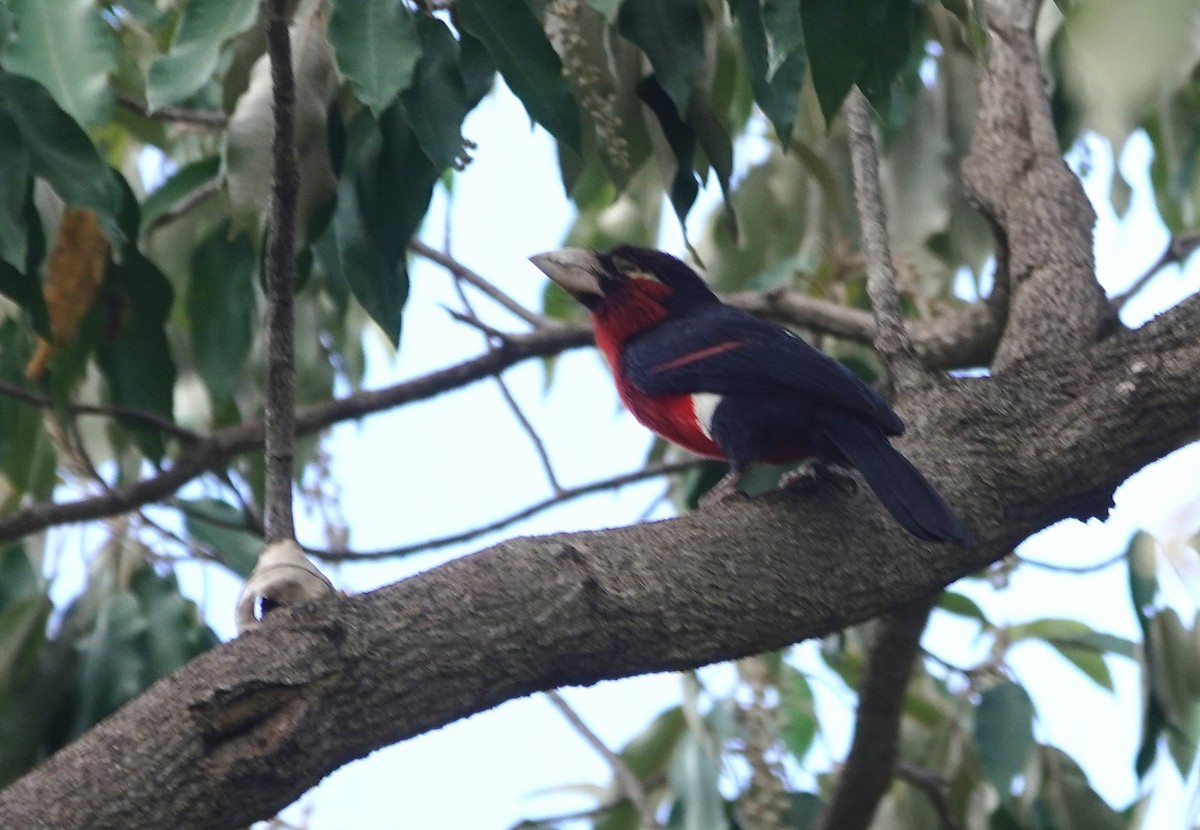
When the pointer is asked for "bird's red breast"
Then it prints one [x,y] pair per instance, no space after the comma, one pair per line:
[626,313]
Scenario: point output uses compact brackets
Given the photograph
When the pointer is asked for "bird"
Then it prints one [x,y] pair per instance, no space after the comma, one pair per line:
[724,384]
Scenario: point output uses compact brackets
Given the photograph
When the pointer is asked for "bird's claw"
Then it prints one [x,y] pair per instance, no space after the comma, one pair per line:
[813,473]
[283,576]
[723,490]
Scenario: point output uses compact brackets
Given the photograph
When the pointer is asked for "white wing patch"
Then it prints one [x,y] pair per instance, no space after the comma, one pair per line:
[705,404]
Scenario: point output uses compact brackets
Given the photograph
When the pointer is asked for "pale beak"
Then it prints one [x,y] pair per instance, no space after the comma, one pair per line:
[575,269]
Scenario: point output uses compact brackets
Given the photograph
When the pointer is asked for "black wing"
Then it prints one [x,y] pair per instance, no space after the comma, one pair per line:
[725,351]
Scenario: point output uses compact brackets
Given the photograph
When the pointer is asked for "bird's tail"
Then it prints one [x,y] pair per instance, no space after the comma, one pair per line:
[907,495]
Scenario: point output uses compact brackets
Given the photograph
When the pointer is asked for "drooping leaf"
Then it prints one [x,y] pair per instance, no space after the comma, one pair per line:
[856,41]
[648,754]
[436,102]
[221,527]
[962,606]
[798,708]
[776,87]
[59,150]
[719,148]
[671,33]
[693,775]
[476,66]
[113,662]
[1069,799]
[135,356]
[682,141]
[15,183]
[67,47]
[377,47]
[803,810]
[18,579]
[1003,733]
[529,64]
[204,26]
[220,307]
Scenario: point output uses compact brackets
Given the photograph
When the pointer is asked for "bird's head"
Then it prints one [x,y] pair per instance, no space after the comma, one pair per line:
[627,289]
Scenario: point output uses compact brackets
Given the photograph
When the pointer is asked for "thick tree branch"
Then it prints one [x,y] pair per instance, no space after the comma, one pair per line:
[246,728]
[875,749]
[891,339]
[1038,210]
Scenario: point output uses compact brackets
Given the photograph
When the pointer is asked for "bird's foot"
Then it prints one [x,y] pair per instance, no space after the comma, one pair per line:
[723,490]
[283,576]
[814,473]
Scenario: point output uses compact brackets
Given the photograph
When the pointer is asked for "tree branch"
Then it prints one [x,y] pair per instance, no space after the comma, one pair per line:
[891,339]
[875,748]
[209,119]
[247,727]
[1039,213]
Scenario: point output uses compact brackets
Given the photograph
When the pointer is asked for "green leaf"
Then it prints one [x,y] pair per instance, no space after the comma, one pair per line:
[59,150]
[221,528]
[184,181]
[776,87]
[960,605]
[436,103]
[648,754]
[803,810]
[1003,733]
[113,665]
[1087,660]
[671,33]
[377,47]
[797,706]
[782,31]
[220,307]
[719,148]
[680,138]
[22,633]
[67,47]
[18,579]
[1072,803]
[15,183]
[856,41]
[136,358]
[528,62]
[176,631]
[180,74]
[204,27]
[693,776]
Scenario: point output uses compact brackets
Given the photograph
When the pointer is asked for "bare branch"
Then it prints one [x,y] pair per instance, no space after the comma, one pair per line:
[1055,567]
[208,119]
[280,426]
[891,339]
[467,275]
[875,748]
[564,495]
[629,783]
[140,417]
[1179,248]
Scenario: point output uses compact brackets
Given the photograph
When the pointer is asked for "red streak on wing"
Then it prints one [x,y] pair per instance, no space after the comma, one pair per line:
[700,354]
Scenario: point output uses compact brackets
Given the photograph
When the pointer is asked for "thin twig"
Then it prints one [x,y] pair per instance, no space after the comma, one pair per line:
[281,277]
[891,338]
[1073,569]
[141,417]
[934,787]
[1178,249]
[466,274]
[628,782]
[209,119]
[538,445]
[185,203]
[567,494]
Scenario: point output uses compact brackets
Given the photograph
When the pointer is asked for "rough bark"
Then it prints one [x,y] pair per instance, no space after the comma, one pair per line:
[248,727]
